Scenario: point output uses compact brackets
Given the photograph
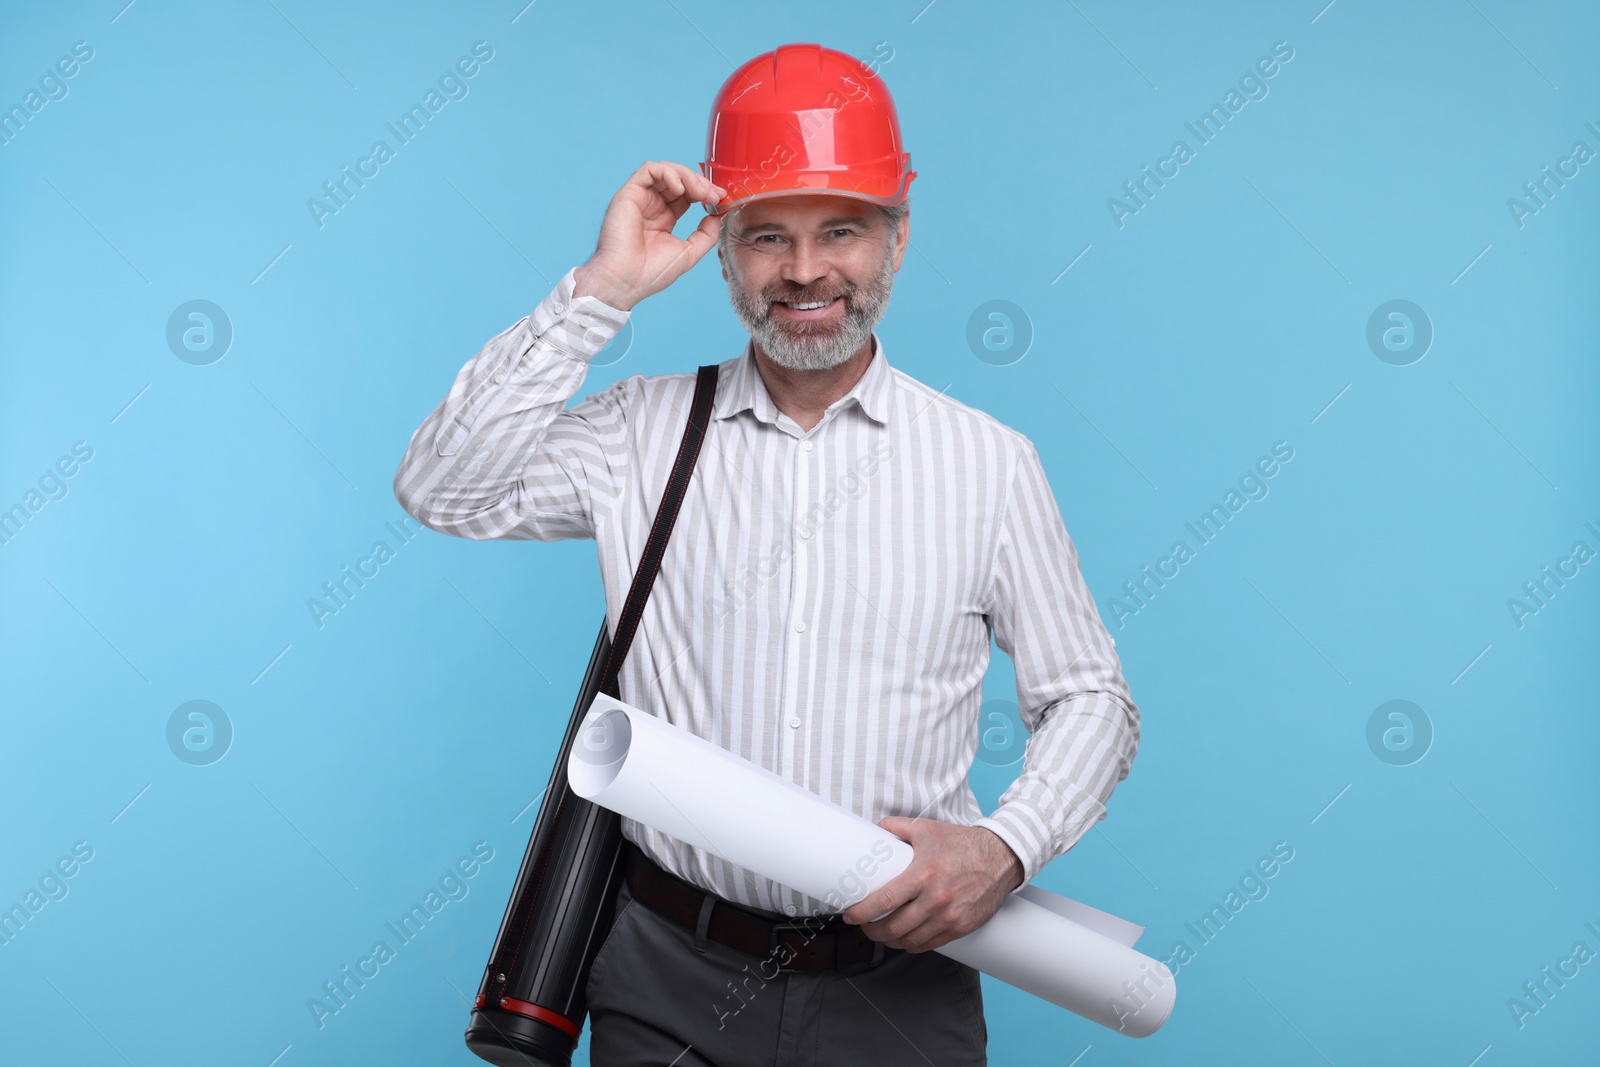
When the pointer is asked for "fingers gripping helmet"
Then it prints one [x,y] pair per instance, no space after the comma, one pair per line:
[806,119]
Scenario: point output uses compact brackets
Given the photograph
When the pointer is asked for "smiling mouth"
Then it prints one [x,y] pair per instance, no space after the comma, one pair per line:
[806,310]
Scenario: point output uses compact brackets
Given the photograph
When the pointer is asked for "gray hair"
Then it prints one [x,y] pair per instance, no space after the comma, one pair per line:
[893,213]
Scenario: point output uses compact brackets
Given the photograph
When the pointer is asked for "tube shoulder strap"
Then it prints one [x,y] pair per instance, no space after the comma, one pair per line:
[705,391]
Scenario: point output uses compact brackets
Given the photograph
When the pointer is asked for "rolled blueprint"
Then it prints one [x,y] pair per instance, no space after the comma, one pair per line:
[646,769]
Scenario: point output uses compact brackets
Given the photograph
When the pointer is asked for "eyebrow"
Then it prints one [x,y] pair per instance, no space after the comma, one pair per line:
[775,227]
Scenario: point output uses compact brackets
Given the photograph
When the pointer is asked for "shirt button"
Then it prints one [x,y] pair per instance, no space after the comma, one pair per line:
[804,533]
[806,445]
[794,723]
[499,376]
[800,626]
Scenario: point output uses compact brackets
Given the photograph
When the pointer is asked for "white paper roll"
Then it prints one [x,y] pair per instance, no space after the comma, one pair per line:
[665,777]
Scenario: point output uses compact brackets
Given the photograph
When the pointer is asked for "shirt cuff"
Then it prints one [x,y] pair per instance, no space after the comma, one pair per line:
[577,327]
[1035,838]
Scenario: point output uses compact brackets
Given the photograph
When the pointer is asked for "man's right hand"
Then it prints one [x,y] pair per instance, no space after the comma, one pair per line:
[637,255]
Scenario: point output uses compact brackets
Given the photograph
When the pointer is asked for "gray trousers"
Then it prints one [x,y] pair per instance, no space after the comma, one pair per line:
[656,999]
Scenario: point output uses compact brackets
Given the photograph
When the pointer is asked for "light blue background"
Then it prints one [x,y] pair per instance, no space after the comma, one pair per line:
[1225,316]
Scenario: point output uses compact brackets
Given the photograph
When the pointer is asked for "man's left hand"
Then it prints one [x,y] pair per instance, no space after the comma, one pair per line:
[958,878]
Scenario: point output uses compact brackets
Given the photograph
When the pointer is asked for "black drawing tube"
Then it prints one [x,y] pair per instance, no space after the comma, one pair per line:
[530,1006]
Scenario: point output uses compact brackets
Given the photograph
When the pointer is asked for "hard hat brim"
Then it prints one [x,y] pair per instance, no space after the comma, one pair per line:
[821,183]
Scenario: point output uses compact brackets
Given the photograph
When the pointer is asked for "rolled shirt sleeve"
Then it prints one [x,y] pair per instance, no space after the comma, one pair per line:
[1071,694]
[501,457]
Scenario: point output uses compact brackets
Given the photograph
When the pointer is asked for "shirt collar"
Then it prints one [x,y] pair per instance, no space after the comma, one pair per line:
[745,389]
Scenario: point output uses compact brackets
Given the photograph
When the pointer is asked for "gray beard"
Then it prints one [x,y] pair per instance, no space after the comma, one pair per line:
[801,347]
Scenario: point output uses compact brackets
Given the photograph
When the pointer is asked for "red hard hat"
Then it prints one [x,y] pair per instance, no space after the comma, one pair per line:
[806,119]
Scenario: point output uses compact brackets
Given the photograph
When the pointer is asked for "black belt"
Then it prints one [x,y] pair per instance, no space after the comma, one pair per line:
[808,944]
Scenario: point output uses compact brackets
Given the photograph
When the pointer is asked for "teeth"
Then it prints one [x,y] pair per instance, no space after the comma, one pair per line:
[811,306]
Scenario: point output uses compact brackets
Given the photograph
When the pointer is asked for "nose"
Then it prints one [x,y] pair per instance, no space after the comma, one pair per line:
[804,265]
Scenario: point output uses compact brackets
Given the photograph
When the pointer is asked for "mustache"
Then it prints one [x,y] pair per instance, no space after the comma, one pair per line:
[776,294]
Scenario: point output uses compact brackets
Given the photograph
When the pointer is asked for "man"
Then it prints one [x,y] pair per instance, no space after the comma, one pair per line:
[849,541]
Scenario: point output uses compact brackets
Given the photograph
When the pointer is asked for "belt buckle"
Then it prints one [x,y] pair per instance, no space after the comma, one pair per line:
[814,929]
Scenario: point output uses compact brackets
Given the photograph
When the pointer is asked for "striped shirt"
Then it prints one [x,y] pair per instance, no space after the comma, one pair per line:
[825,604]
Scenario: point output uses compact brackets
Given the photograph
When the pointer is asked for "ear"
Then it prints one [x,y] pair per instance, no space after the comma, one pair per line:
[723,263]
[902,239]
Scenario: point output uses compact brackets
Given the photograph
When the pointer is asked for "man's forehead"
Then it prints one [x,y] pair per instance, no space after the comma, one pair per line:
[802,211]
